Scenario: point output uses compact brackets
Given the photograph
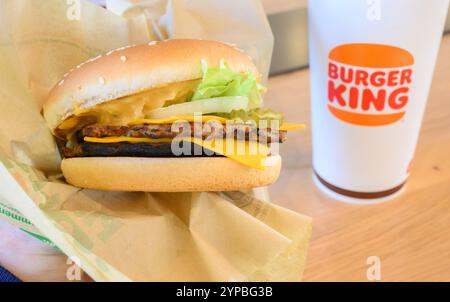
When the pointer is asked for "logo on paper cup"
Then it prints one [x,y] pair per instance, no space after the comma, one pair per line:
[369,84]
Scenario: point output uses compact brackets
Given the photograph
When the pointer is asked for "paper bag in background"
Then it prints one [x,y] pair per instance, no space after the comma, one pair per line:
[242,23]
[129,236]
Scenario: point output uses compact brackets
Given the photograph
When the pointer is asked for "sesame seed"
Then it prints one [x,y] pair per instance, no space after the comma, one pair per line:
[101,80]
[61,82]
[123,58]
[152,43]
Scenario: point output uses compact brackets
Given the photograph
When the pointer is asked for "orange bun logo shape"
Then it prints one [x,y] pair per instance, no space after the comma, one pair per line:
[369,84]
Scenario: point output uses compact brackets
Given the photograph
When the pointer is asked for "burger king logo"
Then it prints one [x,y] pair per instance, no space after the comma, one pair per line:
[369,84]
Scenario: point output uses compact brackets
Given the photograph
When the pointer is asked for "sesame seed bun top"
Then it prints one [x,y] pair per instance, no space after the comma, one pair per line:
[134,69]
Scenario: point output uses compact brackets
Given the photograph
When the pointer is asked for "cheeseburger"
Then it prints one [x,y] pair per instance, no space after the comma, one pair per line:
[172,116]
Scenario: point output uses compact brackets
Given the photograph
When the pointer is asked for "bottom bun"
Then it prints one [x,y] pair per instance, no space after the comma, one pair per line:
[194,174]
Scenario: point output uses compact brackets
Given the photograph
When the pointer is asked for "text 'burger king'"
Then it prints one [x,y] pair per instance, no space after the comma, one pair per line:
[369,84]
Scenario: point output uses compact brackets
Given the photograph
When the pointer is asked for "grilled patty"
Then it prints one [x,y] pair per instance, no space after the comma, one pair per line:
[85,149]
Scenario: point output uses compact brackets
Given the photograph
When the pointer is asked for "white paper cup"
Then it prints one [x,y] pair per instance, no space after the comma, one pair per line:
[372,63]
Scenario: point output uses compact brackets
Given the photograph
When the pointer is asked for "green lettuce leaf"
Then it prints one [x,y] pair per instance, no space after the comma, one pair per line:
[221,81]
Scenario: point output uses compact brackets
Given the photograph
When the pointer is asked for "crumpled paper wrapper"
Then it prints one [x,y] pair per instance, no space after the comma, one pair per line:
[230,236]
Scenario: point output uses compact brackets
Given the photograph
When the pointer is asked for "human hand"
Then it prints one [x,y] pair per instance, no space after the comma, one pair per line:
[30,259]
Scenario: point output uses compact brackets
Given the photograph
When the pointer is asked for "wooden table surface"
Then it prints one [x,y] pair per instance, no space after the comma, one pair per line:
[410,234]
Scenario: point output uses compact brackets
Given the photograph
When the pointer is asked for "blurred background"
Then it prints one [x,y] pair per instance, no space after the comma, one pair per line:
[288,19]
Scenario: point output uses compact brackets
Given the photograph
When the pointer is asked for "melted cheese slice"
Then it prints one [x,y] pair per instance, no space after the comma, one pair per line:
[125,139]
[248,153]
[204,119]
